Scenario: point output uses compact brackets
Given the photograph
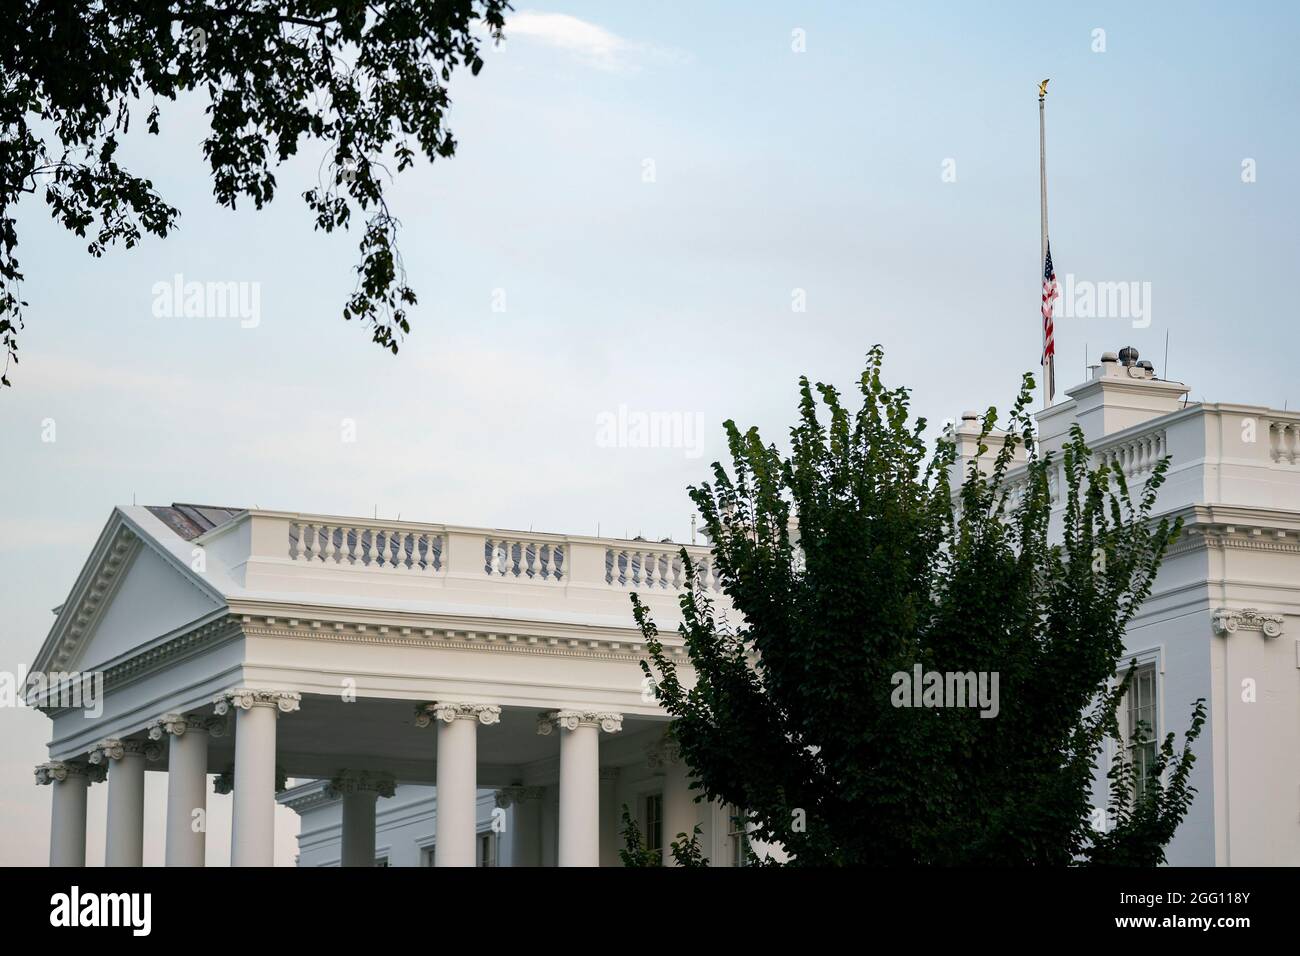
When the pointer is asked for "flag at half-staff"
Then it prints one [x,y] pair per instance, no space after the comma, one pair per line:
[1049,346]
[1049,274]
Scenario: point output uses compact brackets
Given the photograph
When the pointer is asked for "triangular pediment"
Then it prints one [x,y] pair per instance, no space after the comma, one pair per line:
[131,592]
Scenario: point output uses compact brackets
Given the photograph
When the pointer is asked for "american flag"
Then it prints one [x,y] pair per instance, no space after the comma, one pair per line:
[1049,346]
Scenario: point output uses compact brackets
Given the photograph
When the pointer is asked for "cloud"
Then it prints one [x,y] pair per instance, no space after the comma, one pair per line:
[592,44]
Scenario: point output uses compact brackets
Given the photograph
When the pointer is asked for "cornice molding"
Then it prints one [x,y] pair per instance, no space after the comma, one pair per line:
[243,698]
[57,771]
[609,722]
[449,711]
[1230,621]
[501,639]
[81,613]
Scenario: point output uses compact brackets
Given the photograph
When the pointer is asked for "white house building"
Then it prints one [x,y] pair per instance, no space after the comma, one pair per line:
[467,696]
[388,660]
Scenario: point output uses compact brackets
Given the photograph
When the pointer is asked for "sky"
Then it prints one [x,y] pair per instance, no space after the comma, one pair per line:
[672,210]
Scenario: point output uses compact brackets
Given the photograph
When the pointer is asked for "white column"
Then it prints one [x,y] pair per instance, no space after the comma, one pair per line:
[187,790]
[579,780]
[610,822]
[69,783]
[124,759]
[457,776]
[360,791]
[252,830]
[680,811]
[525,805]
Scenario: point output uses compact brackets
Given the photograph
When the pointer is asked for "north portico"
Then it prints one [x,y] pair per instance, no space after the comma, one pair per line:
[263,646]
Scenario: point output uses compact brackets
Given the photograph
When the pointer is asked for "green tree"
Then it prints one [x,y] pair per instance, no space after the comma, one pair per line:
[792,714]
[686,851]
[367,80]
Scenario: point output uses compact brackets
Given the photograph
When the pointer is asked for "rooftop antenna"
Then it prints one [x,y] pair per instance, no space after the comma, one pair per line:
[692,529]
[1165,366]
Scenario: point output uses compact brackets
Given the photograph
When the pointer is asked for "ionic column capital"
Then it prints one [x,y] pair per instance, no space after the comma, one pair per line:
[607,721]
[176,725]
[224,782]
[667,752]
[1230,620]
[115,748]
[57,771]
[448,711]
[362,781]
[285,702]
[510,796]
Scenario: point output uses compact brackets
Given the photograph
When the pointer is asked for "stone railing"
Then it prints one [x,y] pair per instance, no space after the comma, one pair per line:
[512,557]
[1284,440]
[1135,455]
[366,545]
[642,565]
[405,548]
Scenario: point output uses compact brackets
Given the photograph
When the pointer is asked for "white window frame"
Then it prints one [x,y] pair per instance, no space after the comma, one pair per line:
[1152,658]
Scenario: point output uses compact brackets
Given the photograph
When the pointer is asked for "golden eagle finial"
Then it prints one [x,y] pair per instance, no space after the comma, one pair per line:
[1042,88]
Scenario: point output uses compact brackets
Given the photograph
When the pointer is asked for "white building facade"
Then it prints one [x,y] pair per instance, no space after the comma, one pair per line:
[389,662]
[466,696]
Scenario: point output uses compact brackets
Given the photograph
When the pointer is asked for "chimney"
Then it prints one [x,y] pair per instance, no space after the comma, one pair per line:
[1122,392]
[966,437]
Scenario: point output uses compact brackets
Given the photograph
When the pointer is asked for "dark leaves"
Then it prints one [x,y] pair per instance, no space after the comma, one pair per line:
[366,80]
[852,559]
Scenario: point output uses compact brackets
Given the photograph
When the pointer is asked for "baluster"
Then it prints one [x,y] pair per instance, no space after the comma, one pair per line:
[558,554]
[295,535]
[677,572]
[663,571]
[609,565]
[530,556]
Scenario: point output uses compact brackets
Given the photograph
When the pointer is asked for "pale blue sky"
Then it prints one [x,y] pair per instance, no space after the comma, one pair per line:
[775,170]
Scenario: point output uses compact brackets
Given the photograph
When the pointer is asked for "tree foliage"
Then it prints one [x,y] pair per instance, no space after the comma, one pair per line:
[792,714]
[367,80]
[685,850]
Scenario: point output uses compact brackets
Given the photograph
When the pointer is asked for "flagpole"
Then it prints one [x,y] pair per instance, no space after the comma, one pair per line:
[1042,252]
